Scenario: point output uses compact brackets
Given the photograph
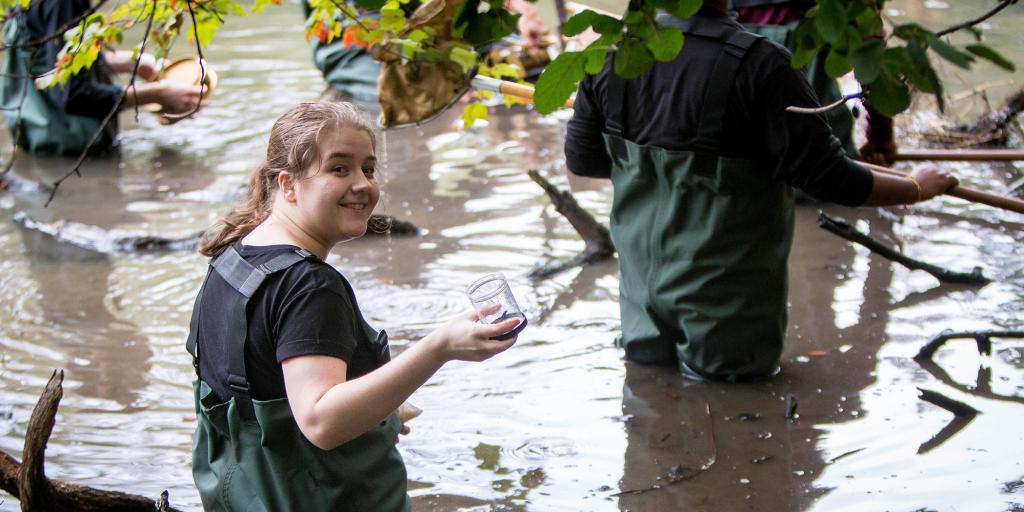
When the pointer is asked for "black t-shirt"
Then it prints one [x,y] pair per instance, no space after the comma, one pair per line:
[307,309]
[662,107]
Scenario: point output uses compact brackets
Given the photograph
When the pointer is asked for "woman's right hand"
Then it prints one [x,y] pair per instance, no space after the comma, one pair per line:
[933,181]
[463,338]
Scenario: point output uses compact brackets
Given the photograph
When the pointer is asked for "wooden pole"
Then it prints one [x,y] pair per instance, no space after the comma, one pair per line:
[966,155]
[976,196]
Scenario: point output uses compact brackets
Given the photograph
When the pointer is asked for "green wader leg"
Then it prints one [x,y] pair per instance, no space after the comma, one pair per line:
[703,242]
[249,455]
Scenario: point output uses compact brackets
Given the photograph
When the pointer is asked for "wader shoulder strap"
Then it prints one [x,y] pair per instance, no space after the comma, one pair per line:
[615,93]
[245,279]
[716,96]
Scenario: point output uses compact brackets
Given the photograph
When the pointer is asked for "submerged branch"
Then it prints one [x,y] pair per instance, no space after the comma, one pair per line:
[982,338]
[598,241]
[843,229]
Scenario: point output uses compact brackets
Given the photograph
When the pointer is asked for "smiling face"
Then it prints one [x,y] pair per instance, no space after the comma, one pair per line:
[334,201]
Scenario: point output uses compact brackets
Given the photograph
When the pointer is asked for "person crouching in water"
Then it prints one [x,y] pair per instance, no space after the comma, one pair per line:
[296,392]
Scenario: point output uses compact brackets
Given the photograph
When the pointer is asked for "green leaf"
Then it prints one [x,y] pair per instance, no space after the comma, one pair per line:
[917,68]
[473,112]
[867,60]
[465,58]
[665,43]
[479,28]
[579,22]
[596,57]
[888,95]
[991,55]
[687,8]
[372,5]
[831,20]
[392,17]
[632,59]
[869,22]
[836,64]
[950,53]
[606,25]
[260,5]
[634,17]
[558,81]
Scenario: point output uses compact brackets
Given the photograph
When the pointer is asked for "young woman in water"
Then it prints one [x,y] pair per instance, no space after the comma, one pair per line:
[296,392]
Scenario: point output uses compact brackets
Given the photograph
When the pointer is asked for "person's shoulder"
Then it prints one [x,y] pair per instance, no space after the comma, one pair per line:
[768,52]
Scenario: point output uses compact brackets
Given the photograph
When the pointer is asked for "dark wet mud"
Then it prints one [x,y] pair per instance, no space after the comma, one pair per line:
[559,422]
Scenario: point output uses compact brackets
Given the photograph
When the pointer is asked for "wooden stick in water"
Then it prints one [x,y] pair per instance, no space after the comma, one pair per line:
[975,196]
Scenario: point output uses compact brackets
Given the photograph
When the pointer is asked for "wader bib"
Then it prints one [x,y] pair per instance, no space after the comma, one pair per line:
[249,455]
[703,240]
[43,128]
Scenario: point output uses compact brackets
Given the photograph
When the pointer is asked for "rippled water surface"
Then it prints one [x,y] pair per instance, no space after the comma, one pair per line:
[559,422]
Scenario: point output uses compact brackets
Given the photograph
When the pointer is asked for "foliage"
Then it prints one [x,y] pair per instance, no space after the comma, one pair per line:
[887,65]
[849,33]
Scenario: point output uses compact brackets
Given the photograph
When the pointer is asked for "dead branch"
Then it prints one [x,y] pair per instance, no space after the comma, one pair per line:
[27,481]
[598,241]
[970,23]
[982,338]
[956,407]
[843,229]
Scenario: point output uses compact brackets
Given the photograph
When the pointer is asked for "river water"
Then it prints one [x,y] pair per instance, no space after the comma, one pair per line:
[559,422]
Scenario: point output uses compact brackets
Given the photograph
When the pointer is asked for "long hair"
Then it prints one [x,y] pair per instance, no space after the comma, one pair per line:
[293,148]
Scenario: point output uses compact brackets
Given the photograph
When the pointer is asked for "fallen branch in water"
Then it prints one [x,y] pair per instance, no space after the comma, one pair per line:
[678,473]
[27,481]
[598,241]
[962,415]
[956,407]
[982,338]
[843,229]
[100,240]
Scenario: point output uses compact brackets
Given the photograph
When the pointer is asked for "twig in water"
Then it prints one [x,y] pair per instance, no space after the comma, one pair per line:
[982,338]
[956,407]
[843,229]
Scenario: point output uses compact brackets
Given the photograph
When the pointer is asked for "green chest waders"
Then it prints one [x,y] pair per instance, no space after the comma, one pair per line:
[825,87]
[703,241]
[249,455]
[42,127]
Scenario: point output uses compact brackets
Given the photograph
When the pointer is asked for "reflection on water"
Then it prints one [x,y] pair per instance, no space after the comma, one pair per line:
[559,422]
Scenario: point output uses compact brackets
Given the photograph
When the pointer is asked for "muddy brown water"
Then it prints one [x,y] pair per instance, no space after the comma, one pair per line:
[559,422]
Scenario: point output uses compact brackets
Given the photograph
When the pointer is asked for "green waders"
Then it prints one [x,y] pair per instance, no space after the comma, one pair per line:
[703,240]
[825,87]
[249,455]
[42,128]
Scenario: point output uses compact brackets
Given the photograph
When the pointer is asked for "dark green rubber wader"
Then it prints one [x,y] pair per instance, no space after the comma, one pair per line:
[42,128]
[266,464]
[703,240]
[249,455]
[703,243]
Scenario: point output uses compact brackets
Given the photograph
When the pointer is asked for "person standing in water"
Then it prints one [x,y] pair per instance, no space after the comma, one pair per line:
[296,393]
[62,120]
[703,157]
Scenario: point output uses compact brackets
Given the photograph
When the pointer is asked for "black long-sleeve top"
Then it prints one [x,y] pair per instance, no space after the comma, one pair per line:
[83,94]
[662,107]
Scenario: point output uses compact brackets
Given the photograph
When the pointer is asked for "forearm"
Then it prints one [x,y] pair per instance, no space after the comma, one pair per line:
[120,61]
[351,408]
[890,190]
